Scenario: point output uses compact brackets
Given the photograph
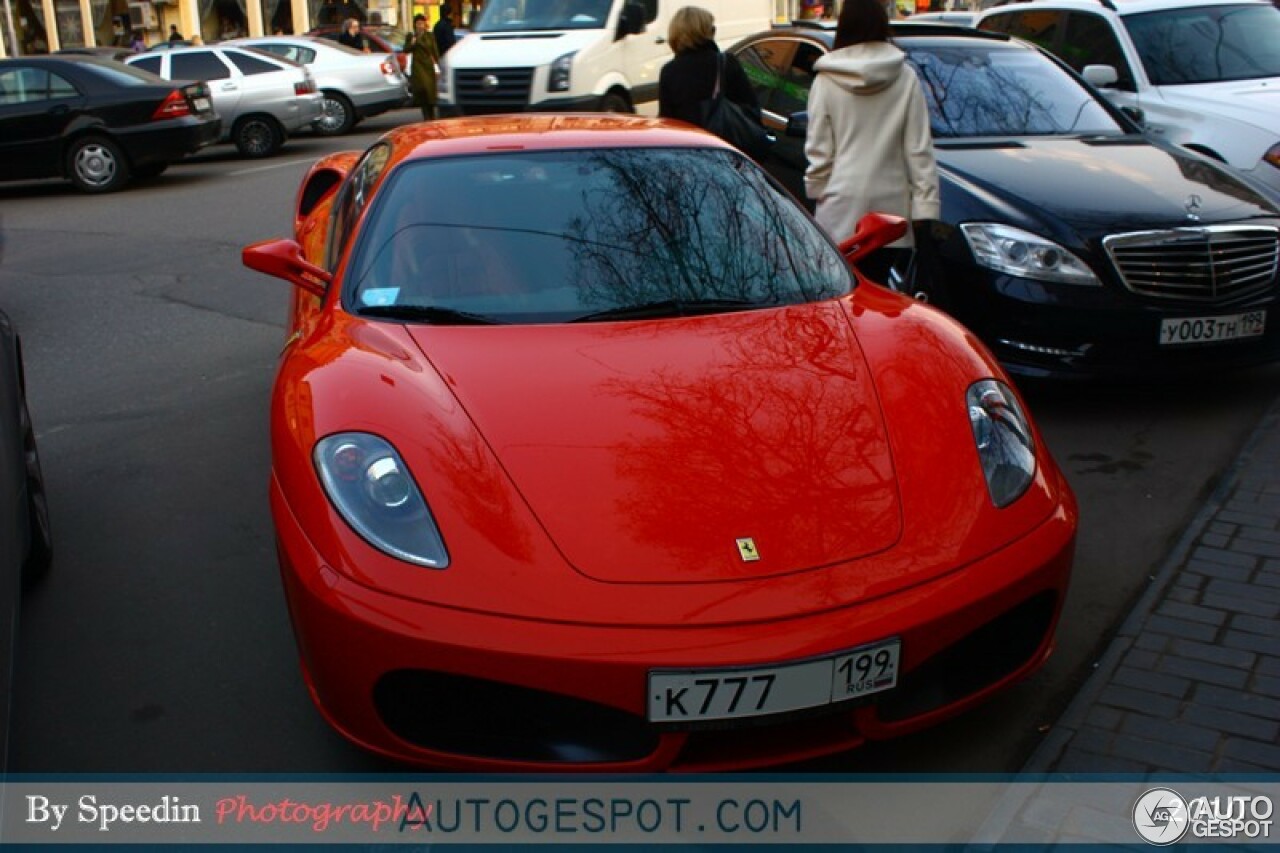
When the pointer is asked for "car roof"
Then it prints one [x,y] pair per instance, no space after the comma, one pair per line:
[224,46]
[542,132]
[1123,7]
[825,32]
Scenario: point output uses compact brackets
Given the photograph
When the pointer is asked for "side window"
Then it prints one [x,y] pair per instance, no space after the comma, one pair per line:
[250,65]
[201,65]
[60,87]
[288,51]
[793,95]
[305,56]
[23,85]
[30,85]
[1091,41]
[763,63]
[353,198]
[650,10]
[781,72]
[1041,27]
[148,63]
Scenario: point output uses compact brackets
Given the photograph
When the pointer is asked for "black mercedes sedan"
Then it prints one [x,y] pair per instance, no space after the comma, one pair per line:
[1070,242]
[96,122]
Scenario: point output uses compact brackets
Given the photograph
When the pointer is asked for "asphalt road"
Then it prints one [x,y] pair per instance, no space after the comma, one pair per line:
[161,643]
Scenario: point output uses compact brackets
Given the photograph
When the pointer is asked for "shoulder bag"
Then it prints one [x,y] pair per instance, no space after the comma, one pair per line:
[728,121]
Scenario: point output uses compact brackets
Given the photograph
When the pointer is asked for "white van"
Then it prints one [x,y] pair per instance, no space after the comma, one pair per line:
[574,55]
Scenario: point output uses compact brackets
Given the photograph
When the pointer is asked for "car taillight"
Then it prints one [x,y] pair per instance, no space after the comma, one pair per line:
[388,67]
[305,87]
[173,106]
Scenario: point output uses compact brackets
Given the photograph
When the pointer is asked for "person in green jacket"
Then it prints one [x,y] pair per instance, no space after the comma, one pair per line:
[422,50]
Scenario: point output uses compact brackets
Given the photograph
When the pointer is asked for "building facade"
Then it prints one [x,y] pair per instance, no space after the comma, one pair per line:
[43,26]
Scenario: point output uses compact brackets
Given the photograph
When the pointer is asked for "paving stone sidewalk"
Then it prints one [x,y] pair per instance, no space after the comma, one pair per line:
[1191,683]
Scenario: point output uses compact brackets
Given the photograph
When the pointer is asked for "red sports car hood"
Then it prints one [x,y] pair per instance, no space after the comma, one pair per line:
[687,450]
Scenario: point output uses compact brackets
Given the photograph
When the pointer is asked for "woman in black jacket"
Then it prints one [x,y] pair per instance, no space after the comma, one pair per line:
[689,79]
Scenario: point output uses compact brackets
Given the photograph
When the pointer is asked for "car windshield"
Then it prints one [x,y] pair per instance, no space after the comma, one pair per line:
[554,236]
[1004,90]
[1205,44]
[393,36]
[500,15]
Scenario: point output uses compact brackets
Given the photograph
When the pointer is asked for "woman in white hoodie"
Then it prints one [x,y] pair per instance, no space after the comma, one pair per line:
[869,145]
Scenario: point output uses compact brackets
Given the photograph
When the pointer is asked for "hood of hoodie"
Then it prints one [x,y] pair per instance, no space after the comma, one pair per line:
[863,69]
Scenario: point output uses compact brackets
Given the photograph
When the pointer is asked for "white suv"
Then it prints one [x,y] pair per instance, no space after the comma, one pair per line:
[1204,74]
[261,98]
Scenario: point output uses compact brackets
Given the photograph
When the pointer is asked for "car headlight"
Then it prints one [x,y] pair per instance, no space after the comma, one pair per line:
[1007,249]
[372,489]
[1003,436]
[561,73]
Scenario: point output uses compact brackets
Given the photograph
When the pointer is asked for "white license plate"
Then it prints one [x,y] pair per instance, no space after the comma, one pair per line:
[1176,331]
[695,695]
[201,104]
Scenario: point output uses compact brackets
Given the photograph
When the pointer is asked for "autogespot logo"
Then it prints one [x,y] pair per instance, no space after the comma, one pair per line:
[1160,816]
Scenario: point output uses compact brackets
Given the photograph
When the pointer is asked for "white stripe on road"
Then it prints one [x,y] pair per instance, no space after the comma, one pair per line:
[272,166]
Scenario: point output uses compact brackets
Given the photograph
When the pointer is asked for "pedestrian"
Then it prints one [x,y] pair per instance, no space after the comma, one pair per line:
[443,31]
[352,37]
[138,43]
[424,56]
[869,145]
[688,80]
[174,35]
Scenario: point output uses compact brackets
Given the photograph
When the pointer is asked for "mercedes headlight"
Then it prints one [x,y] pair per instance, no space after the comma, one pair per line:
[1003,435]
[372,489]
[1021,253]
[561,73]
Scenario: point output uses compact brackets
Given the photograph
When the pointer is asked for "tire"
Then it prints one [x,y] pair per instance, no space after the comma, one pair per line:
[151,170]
[615,102]
[40,552]
[337,115]
[257,136]
[95,164]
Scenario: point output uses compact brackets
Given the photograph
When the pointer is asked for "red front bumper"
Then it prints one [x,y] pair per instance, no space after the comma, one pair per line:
[528,695]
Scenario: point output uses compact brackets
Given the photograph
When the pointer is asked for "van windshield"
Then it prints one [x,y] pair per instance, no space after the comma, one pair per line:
[511,15]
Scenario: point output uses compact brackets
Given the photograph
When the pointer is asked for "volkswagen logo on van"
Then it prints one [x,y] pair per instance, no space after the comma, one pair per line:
[489,82]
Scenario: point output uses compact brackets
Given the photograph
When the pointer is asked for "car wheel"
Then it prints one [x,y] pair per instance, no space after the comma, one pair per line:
[151,170]
[40,554]
[337,116]
[257,136]
[614,102]
[95,164]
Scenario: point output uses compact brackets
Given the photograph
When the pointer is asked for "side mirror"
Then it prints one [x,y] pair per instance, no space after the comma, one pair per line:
[874,231]
[631,20]
[798,124]
[283,259]
[1135,113]
[1101,76]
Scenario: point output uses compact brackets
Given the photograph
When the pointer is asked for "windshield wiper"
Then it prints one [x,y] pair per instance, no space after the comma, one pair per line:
[670,308]
[435,315]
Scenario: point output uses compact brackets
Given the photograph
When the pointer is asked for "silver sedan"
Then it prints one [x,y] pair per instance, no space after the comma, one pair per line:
[355,85]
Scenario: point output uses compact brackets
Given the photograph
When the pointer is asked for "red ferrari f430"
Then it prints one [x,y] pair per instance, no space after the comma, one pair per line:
[591,451]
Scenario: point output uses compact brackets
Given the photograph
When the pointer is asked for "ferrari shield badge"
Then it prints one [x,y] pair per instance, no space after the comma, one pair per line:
[747,548]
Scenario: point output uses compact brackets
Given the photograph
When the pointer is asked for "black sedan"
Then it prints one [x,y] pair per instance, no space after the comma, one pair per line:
[1071,243]
[96,121]
[25,542]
